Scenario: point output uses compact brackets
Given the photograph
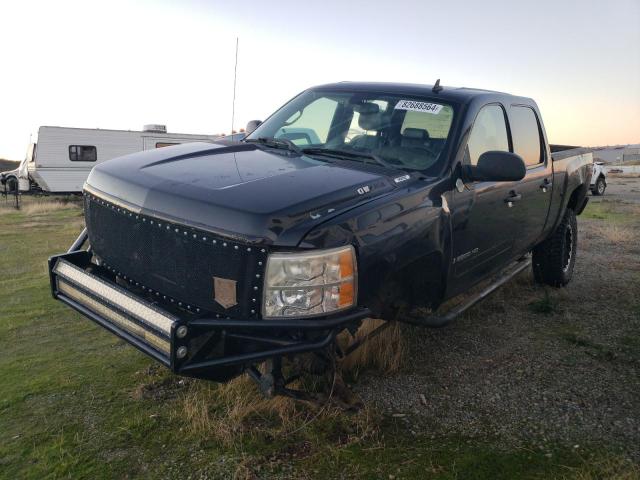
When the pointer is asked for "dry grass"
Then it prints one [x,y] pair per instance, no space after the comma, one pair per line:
[39,206]
[45,207]
[624,175]
[229,411]
[611,468]
[232,412]
[615,233]
[384,352]
[235,413]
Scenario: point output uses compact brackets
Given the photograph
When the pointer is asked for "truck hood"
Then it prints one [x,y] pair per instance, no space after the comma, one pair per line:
[244,191]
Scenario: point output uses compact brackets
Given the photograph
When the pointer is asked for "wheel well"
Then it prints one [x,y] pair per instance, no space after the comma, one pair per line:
[419,283]
[575,195]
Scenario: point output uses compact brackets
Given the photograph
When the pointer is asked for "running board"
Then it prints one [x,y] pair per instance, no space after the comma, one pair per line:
[442,320]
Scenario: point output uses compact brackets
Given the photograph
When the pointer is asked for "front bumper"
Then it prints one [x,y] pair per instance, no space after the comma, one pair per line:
[189,344]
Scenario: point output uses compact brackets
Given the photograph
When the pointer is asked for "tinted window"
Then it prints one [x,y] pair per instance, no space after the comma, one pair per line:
[437,126]
[489,133]
[310,125]
[82,153]
[525,134]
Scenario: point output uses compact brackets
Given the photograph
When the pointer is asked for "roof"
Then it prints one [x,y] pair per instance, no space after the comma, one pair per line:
[148,133]
[453,94]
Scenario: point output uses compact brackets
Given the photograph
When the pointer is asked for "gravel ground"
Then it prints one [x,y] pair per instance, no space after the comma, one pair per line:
[532,369]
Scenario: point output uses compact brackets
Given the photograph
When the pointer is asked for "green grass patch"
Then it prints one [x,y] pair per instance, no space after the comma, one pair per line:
[606,210]
[546,305]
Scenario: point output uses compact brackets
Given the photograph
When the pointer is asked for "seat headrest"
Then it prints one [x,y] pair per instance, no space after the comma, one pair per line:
[415,134]
[371,121]
[366,108]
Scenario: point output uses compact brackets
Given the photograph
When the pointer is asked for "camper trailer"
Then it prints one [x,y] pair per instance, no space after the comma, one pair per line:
[62,158]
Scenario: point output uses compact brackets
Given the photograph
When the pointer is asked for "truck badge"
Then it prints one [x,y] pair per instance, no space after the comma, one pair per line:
[363,190]
[224,291]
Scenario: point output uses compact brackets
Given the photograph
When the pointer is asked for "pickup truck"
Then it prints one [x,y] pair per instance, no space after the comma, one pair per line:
[353,200]
[598,179]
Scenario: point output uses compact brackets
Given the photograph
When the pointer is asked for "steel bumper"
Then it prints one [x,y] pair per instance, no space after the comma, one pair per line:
[188,344]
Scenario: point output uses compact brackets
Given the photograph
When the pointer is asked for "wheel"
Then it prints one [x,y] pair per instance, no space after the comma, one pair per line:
[12,184]
[554,259]
[600,186]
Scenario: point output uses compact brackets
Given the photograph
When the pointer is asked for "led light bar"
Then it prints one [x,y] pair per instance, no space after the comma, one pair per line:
[117,297]
[114,317]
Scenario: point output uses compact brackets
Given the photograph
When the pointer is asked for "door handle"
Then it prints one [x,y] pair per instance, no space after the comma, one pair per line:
[513,197]
[545,184]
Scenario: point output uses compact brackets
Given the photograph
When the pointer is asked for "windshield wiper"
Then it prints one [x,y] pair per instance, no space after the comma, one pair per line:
[350,155]
[275,143]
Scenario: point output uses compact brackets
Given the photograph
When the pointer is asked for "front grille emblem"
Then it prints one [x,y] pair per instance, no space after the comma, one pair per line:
[224,292]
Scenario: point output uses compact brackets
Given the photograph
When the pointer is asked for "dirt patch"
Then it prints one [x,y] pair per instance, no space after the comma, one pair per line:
[621,187]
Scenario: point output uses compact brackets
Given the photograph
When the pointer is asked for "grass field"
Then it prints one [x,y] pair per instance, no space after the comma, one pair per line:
[8,164]
[76,402]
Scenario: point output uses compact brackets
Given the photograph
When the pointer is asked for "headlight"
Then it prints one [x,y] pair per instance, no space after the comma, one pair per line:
[311,283]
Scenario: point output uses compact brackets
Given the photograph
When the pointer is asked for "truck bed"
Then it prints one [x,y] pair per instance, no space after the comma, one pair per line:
[559,152]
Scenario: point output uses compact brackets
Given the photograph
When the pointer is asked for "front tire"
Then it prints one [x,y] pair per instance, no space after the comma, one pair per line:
[599,187]
[555,258]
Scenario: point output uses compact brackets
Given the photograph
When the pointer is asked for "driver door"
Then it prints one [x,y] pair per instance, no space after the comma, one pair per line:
[484,225]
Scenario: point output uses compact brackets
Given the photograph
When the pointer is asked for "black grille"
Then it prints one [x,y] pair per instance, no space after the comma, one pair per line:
[175,261]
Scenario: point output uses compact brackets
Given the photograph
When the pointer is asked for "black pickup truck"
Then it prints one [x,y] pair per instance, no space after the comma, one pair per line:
[353,200]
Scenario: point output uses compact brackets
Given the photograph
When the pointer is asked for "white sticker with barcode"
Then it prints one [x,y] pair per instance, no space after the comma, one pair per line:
[414,106]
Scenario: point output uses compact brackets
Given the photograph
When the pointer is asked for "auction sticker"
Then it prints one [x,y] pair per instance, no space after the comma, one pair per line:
[414,106]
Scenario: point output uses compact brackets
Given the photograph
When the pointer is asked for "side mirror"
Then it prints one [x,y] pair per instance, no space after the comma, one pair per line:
[252,125]
[499,166]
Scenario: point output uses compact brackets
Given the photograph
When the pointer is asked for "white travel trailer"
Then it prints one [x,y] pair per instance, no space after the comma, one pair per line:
[62,158]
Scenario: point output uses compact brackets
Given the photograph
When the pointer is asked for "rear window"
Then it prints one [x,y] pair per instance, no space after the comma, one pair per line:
[82,153]
[437,126]
[525,134]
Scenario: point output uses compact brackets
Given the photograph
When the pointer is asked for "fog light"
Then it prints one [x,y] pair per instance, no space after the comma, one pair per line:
[182,352]
[181,332]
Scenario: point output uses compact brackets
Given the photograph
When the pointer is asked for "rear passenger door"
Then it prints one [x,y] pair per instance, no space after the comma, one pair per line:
[535,188]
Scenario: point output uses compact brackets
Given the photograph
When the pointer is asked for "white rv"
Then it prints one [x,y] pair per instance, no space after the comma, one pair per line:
[62,158]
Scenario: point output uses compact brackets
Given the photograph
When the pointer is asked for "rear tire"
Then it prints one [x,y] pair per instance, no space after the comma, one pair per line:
[599,187]
[555,258]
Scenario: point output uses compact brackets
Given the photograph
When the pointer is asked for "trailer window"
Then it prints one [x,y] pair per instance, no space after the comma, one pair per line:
[165,144]
[525,133]
[82,153]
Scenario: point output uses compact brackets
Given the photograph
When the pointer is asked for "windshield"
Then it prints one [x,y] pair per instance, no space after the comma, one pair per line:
[402,131]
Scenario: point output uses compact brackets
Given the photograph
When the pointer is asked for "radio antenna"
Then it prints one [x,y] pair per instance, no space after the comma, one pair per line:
[437,88]
[235,76]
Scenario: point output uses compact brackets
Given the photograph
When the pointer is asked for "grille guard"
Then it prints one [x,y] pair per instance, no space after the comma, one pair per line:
[189,344]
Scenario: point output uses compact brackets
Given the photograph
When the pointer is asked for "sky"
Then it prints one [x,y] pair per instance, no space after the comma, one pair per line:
[123,64]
